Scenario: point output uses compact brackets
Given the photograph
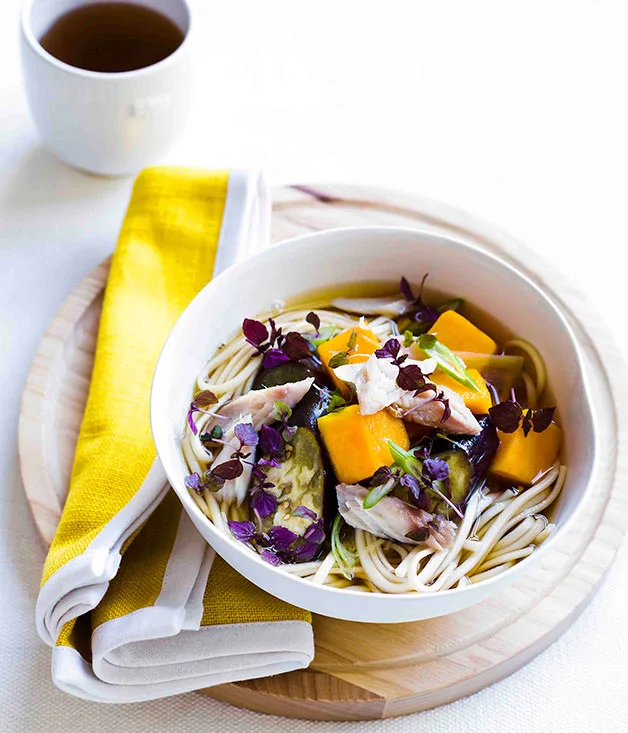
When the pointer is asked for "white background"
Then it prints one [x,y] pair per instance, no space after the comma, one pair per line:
[515,111]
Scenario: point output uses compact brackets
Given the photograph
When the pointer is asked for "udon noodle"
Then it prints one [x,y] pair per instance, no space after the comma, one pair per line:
[500,526]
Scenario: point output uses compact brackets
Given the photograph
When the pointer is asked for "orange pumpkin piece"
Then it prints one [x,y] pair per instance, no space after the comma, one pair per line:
[478,402]
[459,334]
[521,459]
[358,444]
[365,344]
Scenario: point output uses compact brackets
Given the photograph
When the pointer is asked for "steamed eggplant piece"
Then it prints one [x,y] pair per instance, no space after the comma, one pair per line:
[469,458]
[291,371]
[298,481]
[314,405]
[480,449]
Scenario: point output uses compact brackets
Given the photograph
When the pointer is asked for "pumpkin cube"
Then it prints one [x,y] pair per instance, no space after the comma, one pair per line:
[459,334]
[358,444]
[522,459]
[478,402]
[365,344]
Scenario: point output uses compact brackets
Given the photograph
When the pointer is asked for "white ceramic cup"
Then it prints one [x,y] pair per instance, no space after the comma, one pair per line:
[363,255]
[105,123]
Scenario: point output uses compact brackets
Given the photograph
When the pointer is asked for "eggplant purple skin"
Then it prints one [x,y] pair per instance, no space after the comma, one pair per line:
[306,413]
[480,449]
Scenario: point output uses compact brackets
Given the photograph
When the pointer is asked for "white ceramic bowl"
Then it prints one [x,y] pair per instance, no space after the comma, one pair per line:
[364,255]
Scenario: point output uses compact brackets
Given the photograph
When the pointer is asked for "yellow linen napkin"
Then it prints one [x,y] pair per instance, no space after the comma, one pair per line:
[132,597]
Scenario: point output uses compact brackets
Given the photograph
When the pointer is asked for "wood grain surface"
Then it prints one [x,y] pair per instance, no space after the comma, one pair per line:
[367,671]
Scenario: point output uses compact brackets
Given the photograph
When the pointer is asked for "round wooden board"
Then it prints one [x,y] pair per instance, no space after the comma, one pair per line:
[364,671]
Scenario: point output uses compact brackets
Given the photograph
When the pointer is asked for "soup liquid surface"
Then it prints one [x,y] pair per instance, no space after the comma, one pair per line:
[112,37]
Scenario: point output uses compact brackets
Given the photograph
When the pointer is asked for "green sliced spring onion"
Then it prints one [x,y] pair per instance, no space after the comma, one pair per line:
[324,334]
[377,493]
[406,460]
[446,359]
[345,557]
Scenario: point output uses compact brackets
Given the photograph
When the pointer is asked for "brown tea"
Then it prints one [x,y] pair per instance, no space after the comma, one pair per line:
[112,37]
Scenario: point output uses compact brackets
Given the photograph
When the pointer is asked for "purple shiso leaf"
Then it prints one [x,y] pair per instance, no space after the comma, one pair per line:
[440,397]
[389,350]
[381,476]
[228,470]
[254,332]
[193,481]
[273,358]
[506,416]
[526,423]
[411,483]
[270,441]
[205,399]
[412,379]
[542,418]
[426,314]
[314,320]
[281,538]
[243,531]
[406,290]
[435,469]
[271,558]
[246,434]
[275,338]
[315,532]
[296,347]
[270,462]
[191,422]
[305,512]
[304,552]
[263,503]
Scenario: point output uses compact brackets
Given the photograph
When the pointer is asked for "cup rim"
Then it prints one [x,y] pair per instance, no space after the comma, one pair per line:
[39,50]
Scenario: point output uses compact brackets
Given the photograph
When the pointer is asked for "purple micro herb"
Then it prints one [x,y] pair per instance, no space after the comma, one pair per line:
[246,434]
[542,418]
[228,470]
[273,358]
[295,347]
[254,332]
[271,558]
[242,531]
[421,312]
[306,551]
[314,320]
[200,403]
[412,379]
[390,350]
[506,416]
[509,415]
[271,442]
[315,532]
[381,476]
[406,290]
[305,512]
[276,337]
[263,503]
[193,481]
[281,537]
[435,469]
[440,397]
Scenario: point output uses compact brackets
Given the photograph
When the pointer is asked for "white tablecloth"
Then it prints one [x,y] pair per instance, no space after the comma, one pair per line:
[515,111]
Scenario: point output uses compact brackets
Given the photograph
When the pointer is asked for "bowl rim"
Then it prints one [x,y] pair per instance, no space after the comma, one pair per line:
[505,578]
